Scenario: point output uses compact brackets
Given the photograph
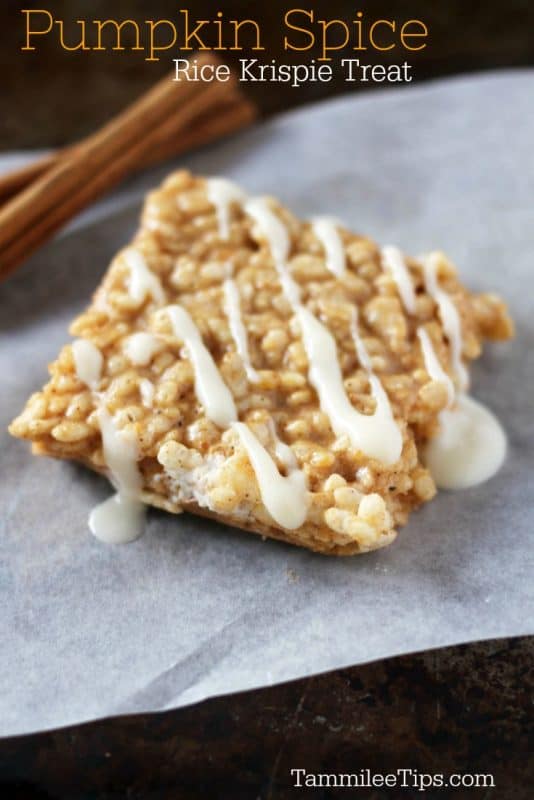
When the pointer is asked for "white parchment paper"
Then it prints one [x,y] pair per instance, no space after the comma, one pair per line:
[195,609]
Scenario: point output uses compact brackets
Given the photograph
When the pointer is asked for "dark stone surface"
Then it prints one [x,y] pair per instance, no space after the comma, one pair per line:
[456,710]
[461,709]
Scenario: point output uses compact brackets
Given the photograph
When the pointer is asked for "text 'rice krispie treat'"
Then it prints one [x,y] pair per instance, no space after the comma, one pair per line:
[280,376]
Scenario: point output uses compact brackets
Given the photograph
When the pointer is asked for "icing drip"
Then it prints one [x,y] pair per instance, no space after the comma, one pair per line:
[221,193]
[87,362]
[370,433]
[142,281]
[433,364]
[237,329]
[120,518]
[120,452]
[140,348]
[470,447]
[393,261]
[449,317]
[210,388]
[325,229]
[284,497]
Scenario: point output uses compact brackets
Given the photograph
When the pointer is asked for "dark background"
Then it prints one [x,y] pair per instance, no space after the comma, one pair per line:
[460,709]
[50,97]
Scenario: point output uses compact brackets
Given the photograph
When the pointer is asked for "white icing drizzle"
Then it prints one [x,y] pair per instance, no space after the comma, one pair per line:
[146,389]
[433,364]
[385,427]
[120,518]
[87,362]
[393,261]
[221,193]
[450,318]
[361,350]
[210,388]
[366,432]
[233,312]
[142,281]
[284,497]
[121,453]
[140,348]
[283,452]
[370,433]
[326,230]
[470,447]
[277,237]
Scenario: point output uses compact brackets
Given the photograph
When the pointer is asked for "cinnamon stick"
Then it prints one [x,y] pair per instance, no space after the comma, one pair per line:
[169,119]
[103,147]
[13,182]
[227,118]
[158,146]
[18,179]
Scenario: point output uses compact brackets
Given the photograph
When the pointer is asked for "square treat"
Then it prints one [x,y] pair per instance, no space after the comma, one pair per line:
[277,375]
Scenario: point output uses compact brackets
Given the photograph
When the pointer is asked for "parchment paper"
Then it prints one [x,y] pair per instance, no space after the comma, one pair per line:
[194,609]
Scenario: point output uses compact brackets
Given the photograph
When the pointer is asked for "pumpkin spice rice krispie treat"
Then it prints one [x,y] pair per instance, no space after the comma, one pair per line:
[280,376]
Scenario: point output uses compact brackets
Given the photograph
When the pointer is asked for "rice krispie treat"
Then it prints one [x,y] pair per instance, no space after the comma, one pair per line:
[277,375]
